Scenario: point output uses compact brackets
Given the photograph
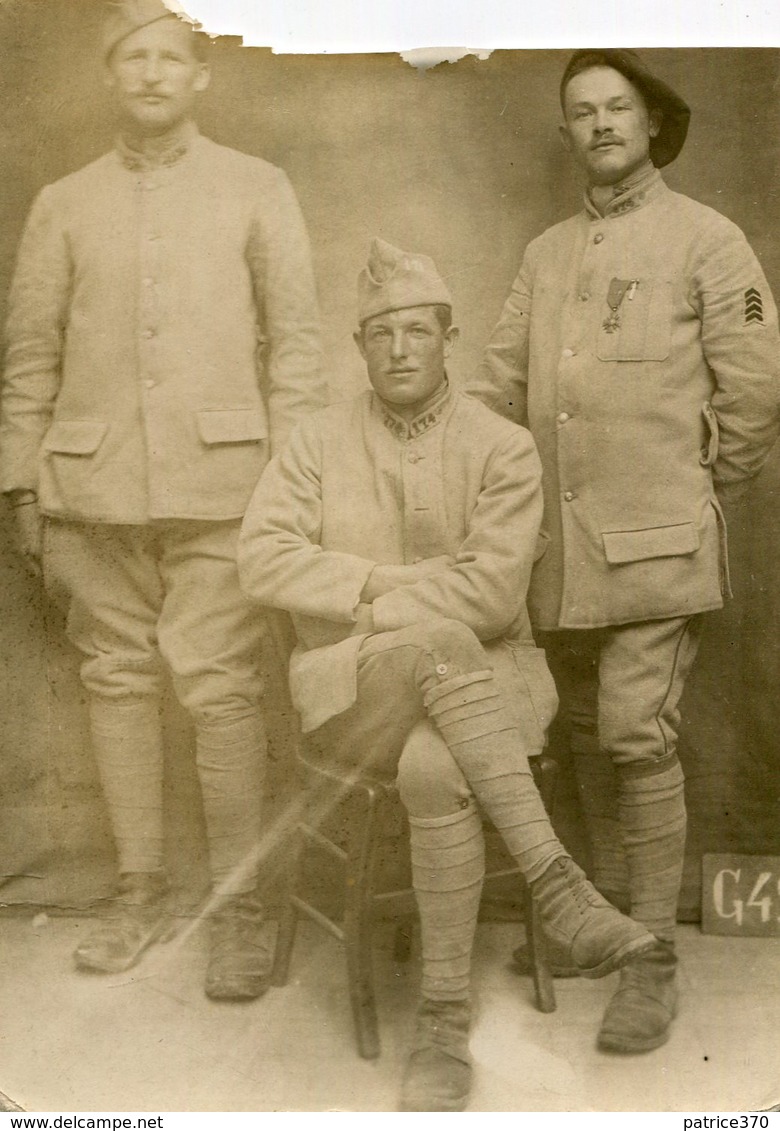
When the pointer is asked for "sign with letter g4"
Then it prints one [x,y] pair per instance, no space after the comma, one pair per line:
[740,895]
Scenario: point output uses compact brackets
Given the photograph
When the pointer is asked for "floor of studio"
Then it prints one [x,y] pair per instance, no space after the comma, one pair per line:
[149,1040]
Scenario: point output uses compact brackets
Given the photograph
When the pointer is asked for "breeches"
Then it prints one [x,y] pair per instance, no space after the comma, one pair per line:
[388,732]
[622,685]
[166,591]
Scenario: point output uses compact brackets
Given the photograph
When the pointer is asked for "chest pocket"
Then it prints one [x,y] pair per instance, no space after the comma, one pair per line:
[644,328]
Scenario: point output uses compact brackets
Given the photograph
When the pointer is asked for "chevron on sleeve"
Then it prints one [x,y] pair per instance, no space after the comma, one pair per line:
[754,306]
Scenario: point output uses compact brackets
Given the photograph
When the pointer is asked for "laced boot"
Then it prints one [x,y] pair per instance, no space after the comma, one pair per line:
[438,1072]
[596,938]
[239,965]
[639,1016]
[137,919]
[558,957]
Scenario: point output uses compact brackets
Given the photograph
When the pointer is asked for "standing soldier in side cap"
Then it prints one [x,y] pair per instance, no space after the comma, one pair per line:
[162,334]
[640,345]
[399,529]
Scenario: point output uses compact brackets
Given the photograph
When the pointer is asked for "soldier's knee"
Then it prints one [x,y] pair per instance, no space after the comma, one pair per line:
[111,677]
[454,645]
[429,780]
[213,699]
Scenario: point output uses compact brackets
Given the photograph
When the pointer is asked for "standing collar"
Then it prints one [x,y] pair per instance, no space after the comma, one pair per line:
[635,191]
[157,153]
[428,417]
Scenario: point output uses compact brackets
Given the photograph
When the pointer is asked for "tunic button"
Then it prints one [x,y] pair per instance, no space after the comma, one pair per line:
[598,237]
[441,669]
[567,353]
[148,282]
[568,496]
[147,334]
[563,417]
[584,296]
[150,384]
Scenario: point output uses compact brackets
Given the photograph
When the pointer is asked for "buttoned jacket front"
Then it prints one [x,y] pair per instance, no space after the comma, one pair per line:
[357,487]
[163,324]
[641,349]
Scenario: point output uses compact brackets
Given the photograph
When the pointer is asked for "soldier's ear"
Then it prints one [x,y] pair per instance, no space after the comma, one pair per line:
[203,78]
[357,337]
[450,338]
[654,120]
[563,134]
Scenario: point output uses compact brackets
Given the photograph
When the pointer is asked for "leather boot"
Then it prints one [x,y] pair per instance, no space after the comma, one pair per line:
[240,959]
[596,938]
[137,918]
[559,960]
[644,1005]
[438,1072]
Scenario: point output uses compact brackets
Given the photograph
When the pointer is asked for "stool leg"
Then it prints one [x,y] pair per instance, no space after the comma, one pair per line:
[402,940]
[357,928]
[537,954]
[288,920]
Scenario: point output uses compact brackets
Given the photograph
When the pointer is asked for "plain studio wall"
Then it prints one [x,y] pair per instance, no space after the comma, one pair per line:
[462,162]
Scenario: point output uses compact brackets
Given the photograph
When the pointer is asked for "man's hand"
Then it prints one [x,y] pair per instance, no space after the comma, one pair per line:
[385,578]
[27,534]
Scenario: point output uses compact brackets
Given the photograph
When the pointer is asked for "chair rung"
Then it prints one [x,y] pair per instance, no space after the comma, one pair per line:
[312,913]
[316,837]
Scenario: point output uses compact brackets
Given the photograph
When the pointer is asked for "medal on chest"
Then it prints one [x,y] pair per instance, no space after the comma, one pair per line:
[618,290]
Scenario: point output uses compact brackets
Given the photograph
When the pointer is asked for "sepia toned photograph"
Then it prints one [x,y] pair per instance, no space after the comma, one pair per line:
[390,608]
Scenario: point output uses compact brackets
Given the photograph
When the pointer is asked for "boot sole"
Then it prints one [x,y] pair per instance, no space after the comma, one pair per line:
[216,993]
[615,1043]
[459,1103]
[161,930]
[620,1045]
[621,957]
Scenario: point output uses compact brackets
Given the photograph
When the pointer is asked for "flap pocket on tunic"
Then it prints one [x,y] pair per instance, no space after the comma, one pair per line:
[655,542]
[709,452]
[231,425]
[642,323]
[75,437]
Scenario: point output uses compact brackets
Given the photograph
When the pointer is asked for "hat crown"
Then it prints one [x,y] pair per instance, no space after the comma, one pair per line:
[123,17]
[395,280]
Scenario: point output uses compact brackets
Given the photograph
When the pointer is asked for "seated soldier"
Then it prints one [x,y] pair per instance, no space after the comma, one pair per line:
[399,530]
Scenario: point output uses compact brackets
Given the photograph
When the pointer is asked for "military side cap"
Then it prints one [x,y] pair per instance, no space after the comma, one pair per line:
[123,17]
[396,280]
[676,112]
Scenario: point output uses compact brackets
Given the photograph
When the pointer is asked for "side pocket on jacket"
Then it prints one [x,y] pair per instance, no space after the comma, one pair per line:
[531,663]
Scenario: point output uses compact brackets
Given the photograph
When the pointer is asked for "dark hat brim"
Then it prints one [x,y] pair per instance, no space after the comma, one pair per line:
[658,94]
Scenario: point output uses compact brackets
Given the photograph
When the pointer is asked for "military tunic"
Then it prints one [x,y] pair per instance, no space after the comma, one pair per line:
[162,337]
[162,326]
[641,348]
[358,486]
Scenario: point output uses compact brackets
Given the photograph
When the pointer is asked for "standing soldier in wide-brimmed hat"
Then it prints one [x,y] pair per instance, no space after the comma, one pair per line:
[640,345]
[162,336]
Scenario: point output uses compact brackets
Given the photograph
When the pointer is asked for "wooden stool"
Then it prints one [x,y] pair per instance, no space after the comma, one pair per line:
[364,810]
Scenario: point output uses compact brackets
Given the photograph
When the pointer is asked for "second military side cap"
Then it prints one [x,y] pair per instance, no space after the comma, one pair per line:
[676,112]
[395,280]
[123,17]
